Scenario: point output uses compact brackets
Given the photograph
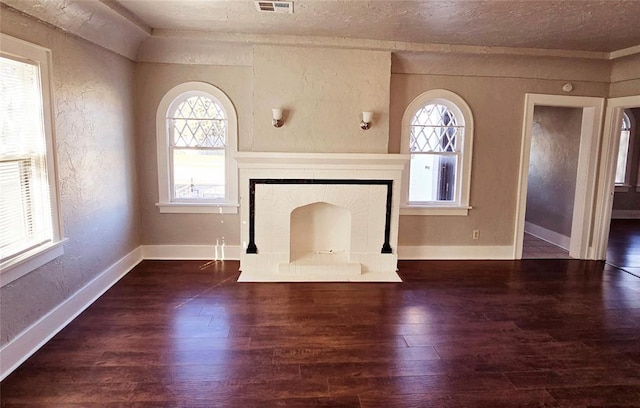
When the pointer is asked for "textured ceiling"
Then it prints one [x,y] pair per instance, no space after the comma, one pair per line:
[585,25]
[580,26]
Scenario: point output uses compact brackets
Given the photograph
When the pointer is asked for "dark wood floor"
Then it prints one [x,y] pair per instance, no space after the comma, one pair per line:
[552,333]
[623,250]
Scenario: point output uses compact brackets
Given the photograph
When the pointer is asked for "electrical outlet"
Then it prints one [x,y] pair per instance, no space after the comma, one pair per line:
[476,234]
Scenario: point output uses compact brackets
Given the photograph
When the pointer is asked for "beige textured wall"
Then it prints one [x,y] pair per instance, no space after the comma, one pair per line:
[323,92]
[625,77]
[497,104]
[96,168]
[194,51]
[152,82]
[317,84]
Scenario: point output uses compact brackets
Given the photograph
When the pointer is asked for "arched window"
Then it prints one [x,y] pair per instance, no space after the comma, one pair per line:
[623,168]
[437,131]
[197,138]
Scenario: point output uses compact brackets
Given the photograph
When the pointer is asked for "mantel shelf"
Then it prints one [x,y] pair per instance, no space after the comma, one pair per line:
[332,160]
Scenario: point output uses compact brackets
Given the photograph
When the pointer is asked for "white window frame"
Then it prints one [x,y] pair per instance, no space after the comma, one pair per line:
[229,205]
[626,185]
[21,264]
[459,107]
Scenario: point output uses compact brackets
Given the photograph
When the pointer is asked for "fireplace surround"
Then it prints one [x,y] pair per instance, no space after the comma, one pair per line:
[319,216]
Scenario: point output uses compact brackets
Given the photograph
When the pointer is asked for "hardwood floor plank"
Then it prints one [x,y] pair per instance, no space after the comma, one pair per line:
[454,329]
[383,386]
[337,341]
[398,368]
[471,339]
[81,333]
[501,399]
[229,390]
[586,377]
[186,391]
[598,396]
[99,357]
[352,354]
[70,376]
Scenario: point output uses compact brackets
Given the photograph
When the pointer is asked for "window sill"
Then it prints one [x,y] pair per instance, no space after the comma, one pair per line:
[197,208]
[422,210]
[21,265]
[622,188]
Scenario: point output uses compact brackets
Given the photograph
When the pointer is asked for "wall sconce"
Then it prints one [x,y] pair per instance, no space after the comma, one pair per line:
[277,117]
[365,123]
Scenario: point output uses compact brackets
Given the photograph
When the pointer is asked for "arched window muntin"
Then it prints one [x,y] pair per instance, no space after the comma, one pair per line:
[437,131]
[200,115]
[197,139]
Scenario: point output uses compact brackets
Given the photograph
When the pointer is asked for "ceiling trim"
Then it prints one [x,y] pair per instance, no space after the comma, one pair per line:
[123,12]
[625,52]
[103,22]
[373,45]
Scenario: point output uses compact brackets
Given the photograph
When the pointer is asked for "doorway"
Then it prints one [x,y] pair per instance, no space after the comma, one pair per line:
[553,172]
[578,213]
[616,214]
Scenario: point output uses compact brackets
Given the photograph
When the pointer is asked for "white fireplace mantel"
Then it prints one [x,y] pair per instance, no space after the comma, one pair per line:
[274,185]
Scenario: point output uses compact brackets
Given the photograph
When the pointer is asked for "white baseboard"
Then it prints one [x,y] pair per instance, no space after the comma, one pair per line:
[232,252]
[455,252]
[545,234]
[625,214]
[187,252]
[35,336]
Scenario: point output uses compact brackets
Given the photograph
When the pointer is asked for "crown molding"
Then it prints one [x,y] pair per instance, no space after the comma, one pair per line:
[134,19]
[371,45]
[625,52]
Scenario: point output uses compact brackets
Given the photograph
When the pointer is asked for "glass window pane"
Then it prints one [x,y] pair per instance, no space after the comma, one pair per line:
[199,174]
[432,177]
[21,131]
[621,169]
[25,208]
[623,150]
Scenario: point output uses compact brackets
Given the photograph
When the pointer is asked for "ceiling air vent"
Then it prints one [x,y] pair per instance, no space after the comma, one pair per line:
[285,7]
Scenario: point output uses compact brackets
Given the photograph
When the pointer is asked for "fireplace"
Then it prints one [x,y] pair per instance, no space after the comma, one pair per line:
[319,217]
[320,231]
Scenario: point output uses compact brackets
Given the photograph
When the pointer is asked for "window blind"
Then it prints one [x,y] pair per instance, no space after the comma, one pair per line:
[25,208]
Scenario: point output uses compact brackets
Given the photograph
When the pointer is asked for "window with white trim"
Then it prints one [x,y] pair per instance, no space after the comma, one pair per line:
[29,221]
[623,169]
[437,131]
[197,138]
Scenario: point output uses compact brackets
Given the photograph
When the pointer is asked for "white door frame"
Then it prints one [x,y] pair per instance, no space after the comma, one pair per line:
[592,111]
[607,173]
